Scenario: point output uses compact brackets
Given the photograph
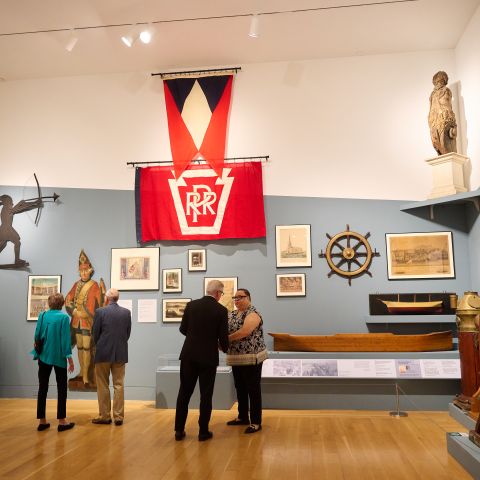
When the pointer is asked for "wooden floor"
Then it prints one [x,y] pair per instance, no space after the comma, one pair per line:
[293,444]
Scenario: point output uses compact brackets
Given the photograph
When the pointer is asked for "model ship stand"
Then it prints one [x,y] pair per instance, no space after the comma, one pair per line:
[448,175]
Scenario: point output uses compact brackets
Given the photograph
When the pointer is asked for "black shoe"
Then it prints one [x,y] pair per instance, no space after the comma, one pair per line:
[205,436]
[237,421]
[102,421]
[66,426]
[43,426]
[253,428]
[179,435]
[118,422]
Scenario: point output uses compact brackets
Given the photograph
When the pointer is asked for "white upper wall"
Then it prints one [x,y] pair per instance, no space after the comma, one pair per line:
[467,56]
[346,127]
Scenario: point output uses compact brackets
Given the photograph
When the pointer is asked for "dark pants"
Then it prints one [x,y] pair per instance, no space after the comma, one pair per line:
[189,373]
[44,371]
[247,383]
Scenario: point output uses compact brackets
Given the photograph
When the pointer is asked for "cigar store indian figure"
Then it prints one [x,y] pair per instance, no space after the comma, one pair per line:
[82,300]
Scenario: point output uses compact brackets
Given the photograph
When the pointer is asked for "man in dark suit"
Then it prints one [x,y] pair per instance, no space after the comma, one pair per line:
[205,326]
[111,330]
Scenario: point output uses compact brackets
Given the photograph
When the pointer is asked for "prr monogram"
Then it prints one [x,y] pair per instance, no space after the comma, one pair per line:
[202,198]
[201,206]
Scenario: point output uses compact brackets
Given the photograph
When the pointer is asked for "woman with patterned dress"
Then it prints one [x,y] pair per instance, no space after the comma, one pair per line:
[246,354]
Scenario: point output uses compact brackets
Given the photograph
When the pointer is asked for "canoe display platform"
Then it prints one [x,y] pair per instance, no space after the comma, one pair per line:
[411,304]
[363,342]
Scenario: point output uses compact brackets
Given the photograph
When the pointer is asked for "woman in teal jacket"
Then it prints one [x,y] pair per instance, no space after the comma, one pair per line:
[53,326]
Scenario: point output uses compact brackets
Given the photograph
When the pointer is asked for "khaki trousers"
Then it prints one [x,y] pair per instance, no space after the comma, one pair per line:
[102,372]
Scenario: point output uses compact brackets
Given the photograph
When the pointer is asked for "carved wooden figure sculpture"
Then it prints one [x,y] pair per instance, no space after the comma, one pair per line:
[441,119]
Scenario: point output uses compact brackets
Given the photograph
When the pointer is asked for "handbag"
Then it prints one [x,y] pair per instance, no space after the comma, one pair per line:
[39,341]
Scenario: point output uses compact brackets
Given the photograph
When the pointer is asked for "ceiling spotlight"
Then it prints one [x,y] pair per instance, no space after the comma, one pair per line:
[146,34]
[254,27]
[72,41]
[130,38]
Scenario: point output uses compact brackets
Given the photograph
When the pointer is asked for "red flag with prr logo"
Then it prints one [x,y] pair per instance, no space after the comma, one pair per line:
[200,205]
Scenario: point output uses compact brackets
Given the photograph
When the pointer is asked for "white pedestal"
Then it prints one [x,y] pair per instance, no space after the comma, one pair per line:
[447,174]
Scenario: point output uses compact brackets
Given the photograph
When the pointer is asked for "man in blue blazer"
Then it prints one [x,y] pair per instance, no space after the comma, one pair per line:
[205,326]
[111,330]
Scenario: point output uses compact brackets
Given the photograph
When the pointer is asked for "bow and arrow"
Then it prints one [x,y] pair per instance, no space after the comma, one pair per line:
[7,232]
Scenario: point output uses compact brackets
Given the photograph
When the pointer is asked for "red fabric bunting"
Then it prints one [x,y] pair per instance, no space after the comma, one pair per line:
[182,144]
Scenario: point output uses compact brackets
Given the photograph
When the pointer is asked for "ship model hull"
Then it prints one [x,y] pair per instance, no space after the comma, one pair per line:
[363,342]
[413,307]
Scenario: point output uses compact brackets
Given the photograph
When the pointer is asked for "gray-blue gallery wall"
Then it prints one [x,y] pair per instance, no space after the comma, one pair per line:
[98,220]
[474,258]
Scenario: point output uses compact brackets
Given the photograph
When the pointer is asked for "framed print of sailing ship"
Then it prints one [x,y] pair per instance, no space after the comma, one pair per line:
[293,246]
[419,255]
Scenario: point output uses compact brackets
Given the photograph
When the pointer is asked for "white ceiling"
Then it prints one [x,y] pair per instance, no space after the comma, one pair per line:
[358,30]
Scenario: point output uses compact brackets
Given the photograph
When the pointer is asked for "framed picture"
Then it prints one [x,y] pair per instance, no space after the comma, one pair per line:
[197,260]
[135,268]
[420,255]
[230,287]
[40,287]
[291,285]
[293,246]
[172,280]
[173,309]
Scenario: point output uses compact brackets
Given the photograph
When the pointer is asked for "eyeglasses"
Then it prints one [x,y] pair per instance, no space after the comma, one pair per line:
[240,297]
[220,292]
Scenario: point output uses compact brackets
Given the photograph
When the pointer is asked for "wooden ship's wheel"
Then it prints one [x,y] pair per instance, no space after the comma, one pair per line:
[349,254]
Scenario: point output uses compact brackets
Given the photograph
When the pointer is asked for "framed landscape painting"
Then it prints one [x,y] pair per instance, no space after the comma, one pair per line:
[135,268]
[172,280]
[173,309]
[197,260]
[293,246]
[420,255]
[291,285]
[230,287]
[40,287]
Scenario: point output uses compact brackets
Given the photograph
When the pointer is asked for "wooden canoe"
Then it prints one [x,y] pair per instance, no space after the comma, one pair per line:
[363,342]
[413,307]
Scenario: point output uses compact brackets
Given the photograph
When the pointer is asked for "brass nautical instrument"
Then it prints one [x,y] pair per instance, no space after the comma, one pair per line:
[467,318]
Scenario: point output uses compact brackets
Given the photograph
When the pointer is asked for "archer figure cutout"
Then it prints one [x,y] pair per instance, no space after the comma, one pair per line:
[7,232]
